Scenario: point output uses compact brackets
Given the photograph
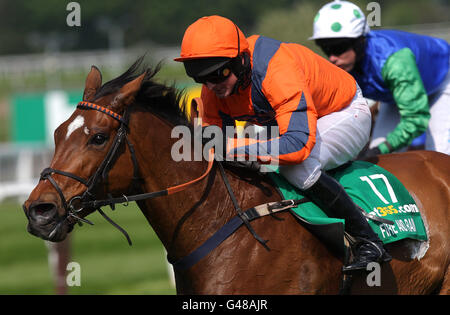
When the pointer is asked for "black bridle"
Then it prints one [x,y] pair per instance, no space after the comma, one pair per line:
[88,199]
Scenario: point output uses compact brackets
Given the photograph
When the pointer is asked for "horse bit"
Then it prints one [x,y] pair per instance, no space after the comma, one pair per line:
[100,174]
[88,199]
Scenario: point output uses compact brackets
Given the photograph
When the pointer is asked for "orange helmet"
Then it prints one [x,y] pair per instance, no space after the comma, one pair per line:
[212,36]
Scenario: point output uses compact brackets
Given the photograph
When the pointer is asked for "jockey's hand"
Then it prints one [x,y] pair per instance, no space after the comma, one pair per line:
[251,165]
[371,153]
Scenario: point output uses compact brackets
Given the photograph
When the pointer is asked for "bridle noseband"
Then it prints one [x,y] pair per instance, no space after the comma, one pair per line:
[100,174]
[88,199]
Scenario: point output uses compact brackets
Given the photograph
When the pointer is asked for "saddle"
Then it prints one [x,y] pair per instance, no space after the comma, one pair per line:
[392,212]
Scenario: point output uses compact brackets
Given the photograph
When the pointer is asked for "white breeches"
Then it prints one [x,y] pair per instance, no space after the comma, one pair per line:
[340,137]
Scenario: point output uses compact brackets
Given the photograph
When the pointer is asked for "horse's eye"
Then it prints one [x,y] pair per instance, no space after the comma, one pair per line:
[98,139]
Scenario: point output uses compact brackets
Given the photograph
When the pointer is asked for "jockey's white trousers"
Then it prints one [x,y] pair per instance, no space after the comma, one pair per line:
[340,137]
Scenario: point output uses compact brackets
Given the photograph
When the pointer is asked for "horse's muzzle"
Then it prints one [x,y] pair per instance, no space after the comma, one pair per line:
[44,221]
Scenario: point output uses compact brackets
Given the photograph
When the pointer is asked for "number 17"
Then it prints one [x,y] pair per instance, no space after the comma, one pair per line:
[376,191]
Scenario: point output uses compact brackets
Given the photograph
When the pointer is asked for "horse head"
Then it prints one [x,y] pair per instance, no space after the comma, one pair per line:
[86,147]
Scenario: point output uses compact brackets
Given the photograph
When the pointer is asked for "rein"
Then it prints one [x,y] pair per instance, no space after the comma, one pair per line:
[88,199]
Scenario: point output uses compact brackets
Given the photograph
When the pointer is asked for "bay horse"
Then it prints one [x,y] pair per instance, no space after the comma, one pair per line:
[89,164]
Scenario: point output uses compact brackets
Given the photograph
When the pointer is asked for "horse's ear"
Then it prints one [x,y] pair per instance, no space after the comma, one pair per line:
[127,94]
[93,83]
[196,111]
[193,111]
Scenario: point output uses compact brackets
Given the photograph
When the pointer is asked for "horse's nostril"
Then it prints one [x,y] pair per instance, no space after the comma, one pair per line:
[43,210]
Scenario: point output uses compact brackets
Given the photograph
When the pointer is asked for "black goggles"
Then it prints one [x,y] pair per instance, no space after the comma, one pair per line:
[336,49]
[215,77]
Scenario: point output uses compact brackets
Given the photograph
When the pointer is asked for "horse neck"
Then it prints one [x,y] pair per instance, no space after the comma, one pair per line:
[181,220]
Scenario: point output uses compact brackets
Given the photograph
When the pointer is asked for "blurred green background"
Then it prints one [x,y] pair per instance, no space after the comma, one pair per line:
[39,52]
[108,265]
[43,22]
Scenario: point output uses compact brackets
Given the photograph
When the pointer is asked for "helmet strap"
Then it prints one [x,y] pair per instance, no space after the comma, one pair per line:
[241,68]
[359,47]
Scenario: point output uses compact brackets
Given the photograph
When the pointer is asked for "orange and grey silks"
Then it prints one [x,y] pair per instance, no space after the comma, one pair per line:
[291,87]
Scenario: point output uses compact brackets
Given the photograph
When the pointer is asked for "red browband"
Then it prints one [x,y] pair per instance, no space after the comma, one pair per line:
[101,109]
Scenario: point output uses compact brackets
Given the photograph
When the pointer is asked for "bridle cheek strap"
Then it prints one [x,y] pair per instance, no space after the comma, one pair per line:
[104,169]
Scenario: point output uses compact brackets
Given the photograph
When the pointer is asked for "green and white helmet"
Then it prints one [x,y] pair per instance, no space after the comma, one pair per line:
[339,19]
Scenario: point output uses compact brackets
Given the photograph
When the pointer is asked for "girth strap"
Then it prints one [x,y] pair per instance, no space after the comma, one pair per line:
[230,227]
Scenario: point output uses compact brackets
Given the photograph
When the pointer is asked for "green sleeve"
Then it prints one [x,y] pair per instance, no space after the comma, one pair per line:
[402,77]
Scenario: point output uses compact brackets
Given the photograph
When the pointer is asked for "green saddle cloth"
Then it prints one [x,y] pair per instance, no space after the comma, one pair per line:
[376,191]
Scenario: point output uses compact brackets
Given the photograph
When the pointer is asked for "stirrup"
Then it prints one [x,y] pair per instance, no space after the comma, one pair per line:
[383,255]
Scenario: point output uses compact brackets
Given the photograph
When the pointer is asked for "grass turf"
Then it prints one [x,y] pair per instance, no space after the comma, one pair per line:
[108,264]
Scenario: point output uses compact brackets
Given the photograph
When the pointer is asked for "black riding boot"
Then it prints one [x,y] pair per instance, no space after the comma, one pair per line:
[331,197]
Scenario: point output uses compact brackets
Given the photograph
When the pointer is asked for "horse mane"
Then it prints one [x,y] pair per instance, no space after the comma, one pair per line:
[163,100]
[170,104]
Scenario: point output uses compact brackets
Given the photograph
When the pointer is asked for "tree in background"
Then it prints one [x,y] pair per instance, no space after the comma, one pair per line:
[40,25]
[294,23]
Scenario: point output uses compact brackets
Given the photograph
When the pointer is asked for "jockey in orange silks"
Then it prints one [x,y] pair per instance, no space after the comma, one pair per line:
[322,120]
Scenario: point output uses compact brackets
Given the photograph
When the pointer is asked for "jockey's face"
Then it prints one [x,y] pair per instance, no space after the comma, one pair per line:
[345,61]
[224,88]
